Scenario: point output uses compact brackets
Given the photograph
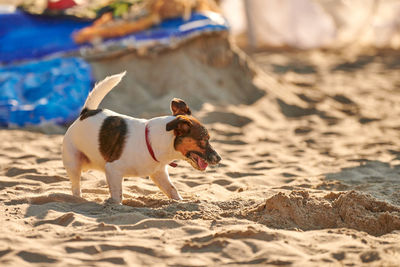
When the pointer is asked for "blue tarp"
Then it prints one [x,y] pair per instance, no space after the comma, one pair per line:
[43,91]
[172,30]
[25,37]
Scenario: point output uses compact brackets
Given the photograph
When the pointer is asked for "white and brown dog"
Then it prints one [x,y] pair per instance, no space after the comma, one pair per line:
[121,146]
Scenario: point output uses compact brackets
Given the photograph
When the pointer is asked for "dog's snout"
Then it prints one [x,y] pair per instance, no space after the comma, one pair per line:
[213,157]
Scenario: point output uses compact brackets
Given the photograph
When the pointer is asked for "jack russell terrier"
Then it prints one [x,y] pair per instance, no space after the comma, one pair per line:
[120,145]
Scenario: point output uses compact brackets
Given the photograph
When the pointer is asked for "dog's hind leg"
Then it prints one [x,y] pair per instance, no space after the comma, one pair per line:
[72,160]
[161,179]
[114,180]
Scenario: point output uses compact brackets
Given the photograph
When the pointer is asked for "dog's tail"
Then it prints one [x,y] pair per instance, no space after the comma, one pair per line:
[101,89]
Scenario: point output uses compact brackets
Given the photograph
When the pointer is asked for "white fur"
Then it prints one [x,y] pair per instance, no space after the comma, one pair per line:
[101,89]
[81,142]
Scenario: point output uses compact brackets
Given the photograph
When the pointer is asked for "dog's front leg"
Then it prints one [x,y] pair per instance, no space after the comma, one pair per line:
[114,180]
[161,179]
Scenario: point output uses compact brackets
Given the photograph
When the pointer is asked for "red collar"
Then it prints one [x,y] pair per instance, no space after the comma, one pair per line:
[150,149]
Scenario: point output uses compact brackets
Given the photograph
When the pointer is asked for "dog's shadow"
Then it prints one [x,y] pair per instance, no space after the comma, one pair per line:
[75,211]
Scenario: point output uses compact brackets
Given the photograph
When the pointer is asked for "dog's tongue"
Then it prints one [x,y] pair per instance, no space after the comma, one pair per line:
[202,163]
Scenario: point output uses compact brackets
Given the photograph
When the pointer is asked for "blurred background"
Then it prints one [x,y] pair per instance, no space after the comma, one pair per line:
[307,24]
[52,51]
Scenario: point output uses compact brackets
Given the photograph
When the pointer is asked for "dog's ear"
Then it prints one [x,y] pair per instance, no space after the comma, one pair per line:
[179,107]
[181,125]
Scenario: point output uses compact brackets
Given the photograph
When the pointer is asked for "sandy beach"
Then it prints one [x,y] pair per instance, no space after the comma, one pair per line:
[310,176]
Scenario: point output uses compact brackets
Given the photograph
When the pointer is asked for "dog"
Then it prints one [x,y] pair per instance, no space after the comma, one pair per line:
[120,145]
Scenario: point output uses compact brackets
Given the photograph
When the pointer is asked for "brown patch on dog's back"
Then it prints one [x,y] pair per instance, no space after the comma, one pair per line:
[112,138]
[86,113]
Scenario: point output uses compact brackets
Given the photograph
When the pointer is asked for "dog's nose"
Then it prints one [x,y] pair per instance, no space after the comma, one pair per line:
[214,158]
[218,158]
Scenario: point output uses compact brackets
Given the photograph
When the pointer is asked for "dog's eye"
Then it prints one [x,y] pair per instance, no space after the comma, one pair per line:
[203,144]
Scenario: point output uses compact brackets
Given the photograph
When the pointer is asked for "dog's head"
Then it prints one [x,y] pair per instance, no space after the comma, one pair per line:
[191,137]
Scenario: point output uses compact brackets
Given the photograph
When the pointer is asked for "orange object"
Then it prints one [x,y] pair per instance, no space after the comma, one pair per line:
[106,27]
[116,29]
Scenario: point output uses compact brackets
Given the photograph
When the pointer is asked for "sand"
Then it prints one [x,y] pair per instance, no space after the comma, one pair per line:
[205,69]
[309,177]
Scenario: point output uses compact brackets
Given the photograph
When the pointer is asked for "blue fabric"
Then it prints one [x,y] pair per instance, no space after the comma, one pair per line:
[24,37]
[169,30]
[43,91]
[54,90]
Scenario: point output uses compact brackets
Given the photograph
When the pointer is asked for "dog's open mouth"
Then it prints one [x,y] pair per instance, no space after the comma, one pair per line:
[197,160]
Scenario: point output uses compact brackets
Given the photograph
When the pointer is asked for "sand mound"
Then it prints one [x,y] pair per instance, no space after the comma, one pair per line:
[335,210]
[206,69]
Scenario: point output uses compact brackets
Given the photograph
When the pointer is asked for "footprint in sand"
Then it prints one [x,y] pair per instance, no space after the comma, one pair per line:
[15,171]
[113,260]
[370,256]
[44,178]
[229,118]
[33,257]
[191,183]
[230,142]
[42,160]
[242,174]
[5,252]
[339,255]
[255,162]
[222,182]
[90,250]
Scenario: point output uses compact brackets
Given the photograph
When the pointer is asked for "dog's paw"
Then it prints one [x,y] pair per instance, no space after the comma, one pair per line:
[176,196]
[112,201]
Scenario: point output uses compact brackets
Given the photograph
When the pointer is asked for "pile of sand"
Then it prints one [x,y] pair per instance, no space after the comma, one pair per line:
[204,70]
[334,210]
